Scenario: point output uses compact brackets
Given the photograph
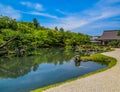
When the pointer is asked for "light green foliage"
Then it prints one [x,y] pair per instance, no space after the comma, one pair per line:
[1,39]
[91,47]
[31,35]
[100,59]
[24,28]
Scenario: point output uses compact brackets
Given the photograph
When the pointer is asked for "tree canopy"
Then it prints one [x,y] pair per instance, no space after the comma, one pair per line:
[35,22]
[31,35]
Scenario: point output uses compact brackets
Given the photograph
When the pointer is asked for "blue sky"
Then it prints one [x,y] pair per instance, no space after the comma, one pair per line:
[85,16]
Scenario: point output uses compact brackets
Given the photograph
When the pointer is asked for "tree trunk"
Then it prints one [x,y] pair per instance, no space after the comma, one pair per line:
[4,44]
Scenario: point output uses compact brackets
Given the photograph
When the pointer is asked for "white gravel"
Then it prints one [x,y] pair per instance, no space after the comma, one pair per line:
[107,81]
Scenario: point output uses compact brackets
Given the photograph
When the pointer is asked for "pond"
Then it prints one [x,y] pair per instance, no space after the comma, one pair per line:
[22,74]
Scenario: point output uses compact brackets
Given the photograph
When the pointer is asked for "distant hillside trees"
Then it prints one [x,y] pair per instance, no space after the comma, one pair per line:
[36,23]
[6,22]
[61,29]
[30,35]
[56,28]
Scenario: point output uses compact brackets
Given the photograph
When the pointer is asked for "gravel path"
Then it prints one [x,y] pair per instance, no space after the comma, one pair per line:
[107,81]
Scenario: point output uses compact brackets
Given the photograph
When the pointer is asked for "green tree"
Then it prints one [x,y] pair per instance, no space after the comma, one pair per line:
[61,29]
[56,28]
[36,23]
[30,39]
[6,22]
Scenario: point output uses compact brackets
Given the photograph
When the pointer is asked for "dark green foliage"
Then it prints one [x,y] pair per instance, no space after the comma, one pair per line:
[114,43]
[56,28]
[119,33]
[61,29]
[36,24]
[6,22]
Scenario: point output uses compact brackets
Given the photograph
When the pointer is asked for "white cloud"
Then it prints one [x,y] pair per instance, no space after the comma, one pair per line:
[28,4]
[36,6]
[9,11]
[43,14]
[62,12]
[76,21]
[98,27]
[40,14]
[107,2]
[104,9]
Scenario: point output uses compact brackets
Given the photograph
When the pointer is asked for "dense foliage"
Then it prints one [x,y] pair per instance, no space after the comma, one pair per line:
[114,43]
[119,33]
[30,35]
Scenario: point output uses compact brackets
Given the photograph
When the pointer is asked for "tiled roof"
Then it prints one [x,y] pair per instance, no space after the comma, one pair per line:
[110,35]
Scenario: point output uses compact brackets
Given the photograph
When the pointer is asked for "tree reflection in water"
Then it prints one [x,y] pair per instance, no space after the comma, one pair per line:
[19,66]
[77,63]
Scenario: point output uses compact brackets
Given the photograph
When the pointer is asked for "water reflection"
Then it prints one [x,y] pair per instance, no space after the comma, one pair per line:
[77,63]
[19,66]
[49,66]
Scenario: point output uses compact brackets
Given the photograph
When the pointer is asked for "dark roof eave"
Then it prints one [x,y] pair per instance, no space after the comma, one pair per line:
[107,39]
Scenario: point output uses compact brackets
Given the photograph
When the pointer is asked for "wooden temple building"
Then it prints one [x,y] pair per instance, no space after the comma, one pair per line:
[109,35]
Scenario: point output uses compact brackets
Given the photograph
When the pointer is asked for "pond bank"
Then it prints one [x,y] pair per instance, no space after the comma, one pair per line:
[107,81]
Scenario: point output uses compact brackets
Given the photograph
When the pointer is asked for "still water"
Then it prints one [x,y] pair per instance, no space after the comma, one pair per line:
[22,74]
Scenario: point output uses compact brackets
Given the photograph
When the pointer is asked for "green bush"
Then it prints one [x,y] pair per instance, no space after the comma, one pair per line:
[100,58]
